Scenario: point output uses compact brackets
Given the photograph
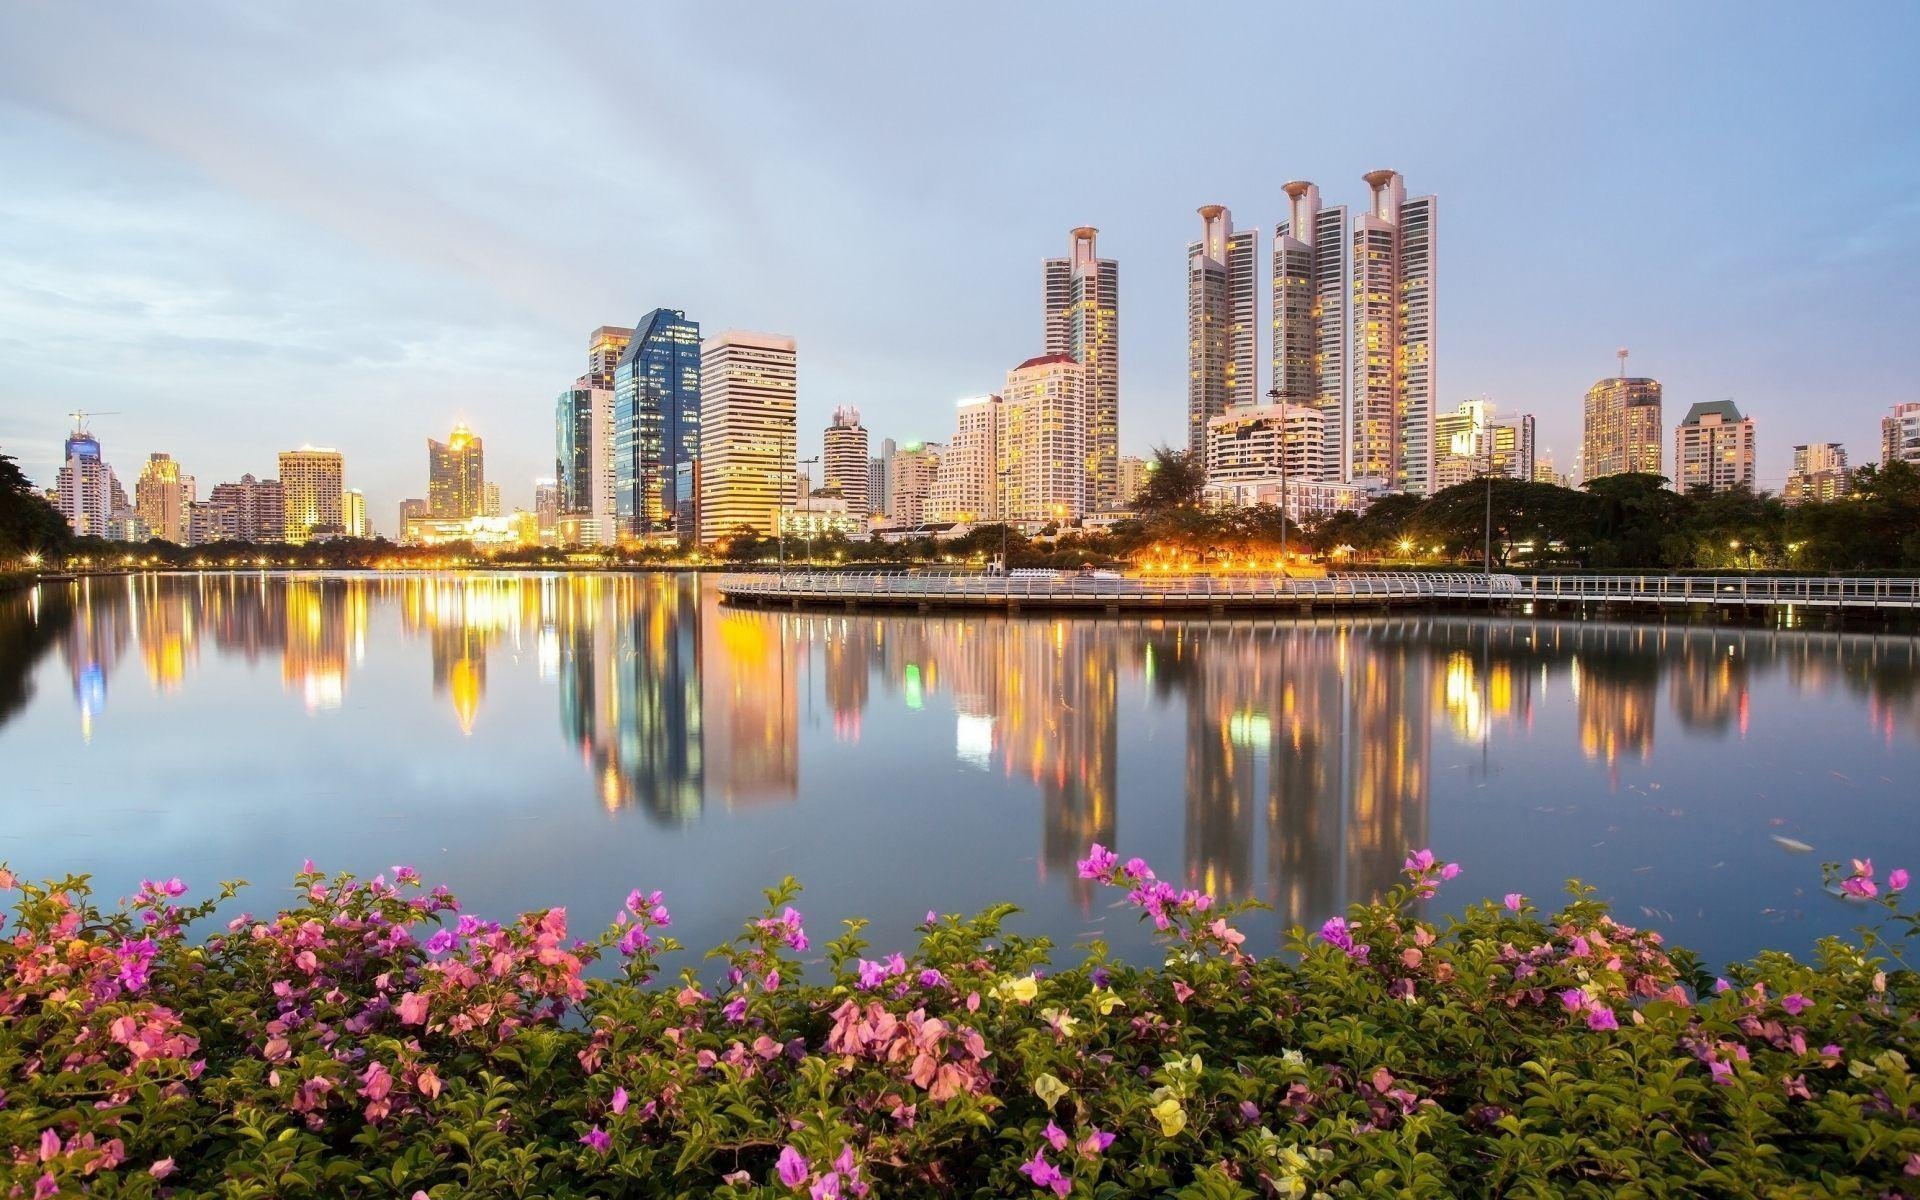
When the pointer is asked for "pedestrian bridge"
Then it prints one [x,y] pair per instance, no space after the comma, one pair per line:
[1154,592]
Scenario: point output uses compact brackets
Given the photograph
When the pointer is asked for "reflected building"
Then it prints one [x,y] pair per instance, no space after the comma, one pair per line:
[95,641]
[1615,676]
[165,628]
[1707,683]
[313,662]
[749,705]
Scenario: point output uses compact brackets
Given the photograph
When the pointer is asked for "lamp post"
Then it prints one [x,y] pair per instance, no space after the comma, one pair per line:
[807,505]
[1486,434]
[1005,520]
[1274,395]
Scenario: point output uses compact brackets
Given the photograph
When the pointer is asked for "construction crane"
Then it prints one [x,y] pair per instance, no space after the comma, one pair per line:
[80,416]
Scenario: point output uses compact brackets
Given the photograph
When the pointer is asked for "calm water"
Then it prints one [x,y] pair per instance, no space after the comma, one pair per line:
[559,739]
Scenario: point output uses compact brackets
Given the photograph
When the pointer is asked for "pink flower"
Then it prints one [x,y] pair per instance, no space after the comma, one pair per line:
[619,1104]
[412,1009]
[45,1186]
[377,1082]
[1601,1017]
[1794,1003]
[1095,1142]
[1897,879]
[161,1169]
[1515,901]
[1418,862]
[828,1188]
[791,1167]
[1045,1175]
[1450,870]
[1056,1136]
[1181,991]
[1098,864]
[1573,999]
[596,1139]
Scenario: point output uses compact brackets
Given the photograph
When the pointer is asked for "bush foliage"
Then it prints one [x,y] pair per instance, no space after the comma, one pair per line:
[373,1040]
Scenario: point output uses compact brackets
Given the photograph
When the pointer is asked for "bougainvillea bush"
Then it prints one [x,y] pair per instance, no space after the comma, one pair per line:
[373,1040]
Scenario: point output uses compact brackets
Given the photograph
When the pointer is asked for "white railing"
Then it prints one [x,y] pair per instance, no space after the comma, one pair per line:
[1074,586]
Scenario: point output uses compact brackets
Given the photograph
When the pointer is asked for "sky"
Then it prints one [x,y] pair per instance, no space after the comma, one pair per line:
[240,228]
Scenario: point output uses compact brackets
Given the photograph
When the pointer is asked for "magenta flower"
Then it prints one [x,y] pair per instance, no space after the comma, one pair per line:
[1514,901]
[791,1167]
[1418,862]
[412,1009]
[1601,1017]
[828,1187]
[1095,1142]
[1045,1175]
[735,1009]
[1573,999]
[440,942]
[596,1139]
[1450,870]
[1897,879]
[619,1104]
[1056,1136]
[1795,1003]
[1099,863]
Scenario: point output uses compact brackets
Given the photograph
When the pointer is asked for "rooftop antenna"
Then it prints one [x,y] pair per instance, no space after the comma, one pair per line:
[80,416]
[1621,354]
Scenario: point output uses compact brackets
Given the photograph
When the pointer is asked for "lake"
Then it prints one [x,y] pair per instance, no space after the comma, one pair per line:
[561,738]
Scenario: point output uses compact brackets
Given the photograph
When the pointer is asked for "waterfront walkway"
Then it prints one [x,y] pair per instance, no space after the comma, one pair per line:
[1110,592]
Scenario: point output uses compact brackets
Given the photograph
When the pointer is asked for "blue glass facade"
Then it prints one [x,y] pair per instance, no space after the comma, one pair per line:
[656,420]
[573,449]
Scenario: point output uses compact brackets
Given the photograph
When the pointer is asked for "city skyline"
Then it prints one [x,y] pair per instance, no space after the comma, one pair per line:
[414,281]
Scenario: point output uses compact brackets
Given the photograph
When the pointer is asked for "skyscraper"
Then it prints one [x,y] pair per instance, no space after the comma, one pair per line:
[748,431]
[1621,432]
[1083,321]
[1819,473]
[250,510]
[313,493]
[966,485]
[604,349]
[1042,441]
[353,513]
[845,461]
[1470,441]
[86,485]
[1392,335]
[1713,448]
[656,420]
[1222,301]
[489,499]
[1310,317]
[159,496]
[880,480]
[911,472]
[1899,435]
[456,475]
[583,461]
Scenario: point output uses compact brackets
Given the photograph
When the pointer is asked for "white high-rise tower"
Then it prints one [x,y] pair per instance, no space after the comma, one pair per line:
[1310,318]
[1083,320]
[1222,314]
[1392,382]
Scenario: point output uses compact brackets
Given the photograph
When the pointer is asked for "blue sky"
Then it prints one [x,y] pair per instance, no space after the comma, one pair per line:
[252,226]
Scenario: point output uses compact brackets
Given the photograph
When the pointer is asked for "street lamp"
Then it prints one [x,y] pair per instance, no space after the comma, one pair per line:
[1005,519]
[1273,394]
[807,501]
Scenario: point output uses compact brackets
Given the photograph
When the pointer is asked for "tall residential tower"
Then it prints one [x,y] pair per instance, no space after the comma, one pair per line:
[1083,321]
[456,476]
[845,460]
[1621,431]
[1392,338]
[1222,313]
[749,435]
[1310,317]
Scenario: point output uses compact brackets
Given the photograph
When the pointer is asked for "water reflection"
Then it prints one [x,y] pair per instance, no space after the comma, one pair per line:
[1308,756]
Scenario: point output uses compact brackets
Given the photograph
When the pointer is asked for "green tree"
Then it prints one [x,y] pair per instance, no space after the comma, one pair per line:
[28,524]
[1174,481]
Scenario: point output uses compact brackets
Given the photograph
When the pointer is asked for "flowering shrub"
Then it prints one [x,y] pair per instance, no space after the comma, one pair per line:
[375,1040]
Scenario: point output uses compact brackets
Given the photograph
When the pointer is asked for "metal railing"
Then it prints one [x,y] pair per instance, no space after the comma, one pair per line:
[1079,587]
